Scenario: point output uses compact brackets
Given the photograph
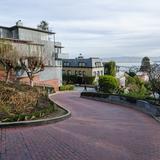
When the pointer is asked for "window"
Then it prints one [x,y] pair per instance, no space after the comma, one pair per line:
[58,50]
[98,73]
[66,64]
[82,64]
[101,72]
[44,37]
[98,64]
[94,73]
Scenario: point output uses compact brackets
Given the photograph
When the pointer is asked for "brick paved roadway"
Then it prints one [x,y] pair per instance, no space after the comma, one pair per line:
[96,131]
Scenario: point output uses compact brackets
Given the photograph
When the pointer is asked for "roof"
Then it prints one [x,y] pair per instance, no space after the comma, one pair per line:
[89,62]
[58,45]
[21,41]
[34,29]
[4,27]
[28,28]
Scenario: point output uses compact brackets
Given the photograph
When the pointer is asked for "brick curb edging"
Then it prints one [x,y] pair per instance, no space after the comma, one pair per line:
[39,121]
[157,119]
[122,104]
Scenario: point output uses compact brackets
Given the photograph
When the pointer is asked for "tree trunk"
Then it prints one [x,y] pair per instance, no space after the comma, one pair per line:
[31,82]
[30,78]
[8,75]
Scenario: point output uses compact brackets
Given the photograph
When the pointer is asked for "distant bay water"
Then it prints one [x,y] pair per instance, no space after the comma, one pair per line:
[128,64]
[125,63]
[125,66]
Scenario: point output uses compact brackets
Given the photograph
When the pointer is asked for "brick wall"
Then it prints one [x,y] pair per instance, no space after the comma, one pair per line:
[54,83]
[3,75]
[37,81]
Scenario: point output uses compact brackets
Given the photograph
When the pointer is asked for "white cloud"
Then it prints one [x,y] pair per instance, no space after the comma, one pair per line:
[95,27]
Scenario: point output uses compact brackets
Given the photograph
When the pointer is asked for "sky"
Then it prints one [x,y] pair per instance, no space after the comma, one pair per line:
[95,28]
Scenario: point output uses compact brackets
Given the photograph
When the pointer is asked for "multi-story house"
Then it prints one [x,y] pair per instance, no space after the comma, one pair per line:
[92,67]
[27,41]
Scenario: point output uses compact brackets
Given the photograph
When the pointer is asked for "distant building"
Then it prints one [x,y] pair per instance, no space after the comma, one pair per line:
[28,40]
[83,66]
[143,76]
[121,78]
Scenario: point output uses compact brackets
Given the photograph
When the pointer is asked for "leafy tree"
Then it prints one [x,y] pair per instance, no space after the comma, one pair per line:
[8,57]
[145,65]
[110,68]
[44,25]
[108,84]
[133,71]
[137,87]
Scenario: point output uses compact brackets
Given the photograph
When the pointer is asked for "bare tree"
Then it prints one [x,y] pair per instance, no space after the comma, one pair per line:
[31,65]
[154,79]
[8,57]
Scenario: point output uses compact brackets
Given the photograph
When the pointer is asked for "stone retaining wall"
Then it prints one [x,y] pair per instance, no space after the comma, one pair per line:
[140,105]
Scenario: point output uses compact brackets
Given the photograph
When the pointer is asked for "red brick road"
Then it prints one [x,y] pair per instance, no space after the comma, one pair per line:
[96,131]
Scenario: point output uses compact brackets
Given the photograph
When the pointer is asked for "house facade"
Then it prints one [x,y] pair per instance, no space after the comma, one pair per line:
[92,67]
[29,41]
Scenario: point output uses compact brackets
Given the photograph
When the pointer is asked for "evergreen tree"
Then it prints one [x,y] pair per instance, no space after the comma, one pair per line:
[110,68]
[43,25]
[145,65]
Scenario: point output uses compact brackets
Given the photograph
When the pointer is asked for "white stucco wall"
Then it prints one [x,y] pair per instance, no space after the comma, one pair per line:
[51,73]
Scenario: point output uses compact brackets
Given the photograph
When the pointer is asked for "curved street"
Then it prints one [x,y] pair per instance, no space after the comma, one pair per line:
[96,131]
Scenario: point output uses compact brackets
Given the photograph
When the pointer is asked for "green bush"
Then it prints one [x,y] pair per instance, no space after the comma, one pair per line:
[137,87]
[66,87]
[108,84]
[130,98]
[94,94]
[89,80]
[74,79]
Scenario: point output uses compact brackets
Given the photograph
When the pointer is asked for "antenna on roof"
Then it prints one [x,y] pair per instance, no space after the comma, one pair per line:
[80,56]
[19,23]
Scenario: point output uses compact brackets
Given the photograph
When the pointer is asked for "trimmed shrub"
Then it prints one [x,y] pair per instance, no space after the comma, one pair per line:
[129,98]
[94,94]
[108,84]
[66,87]
[73,79]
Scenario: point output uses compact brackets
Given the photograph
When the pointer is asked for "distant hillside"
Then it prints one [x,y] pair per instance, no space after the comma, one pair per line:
[130,59]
